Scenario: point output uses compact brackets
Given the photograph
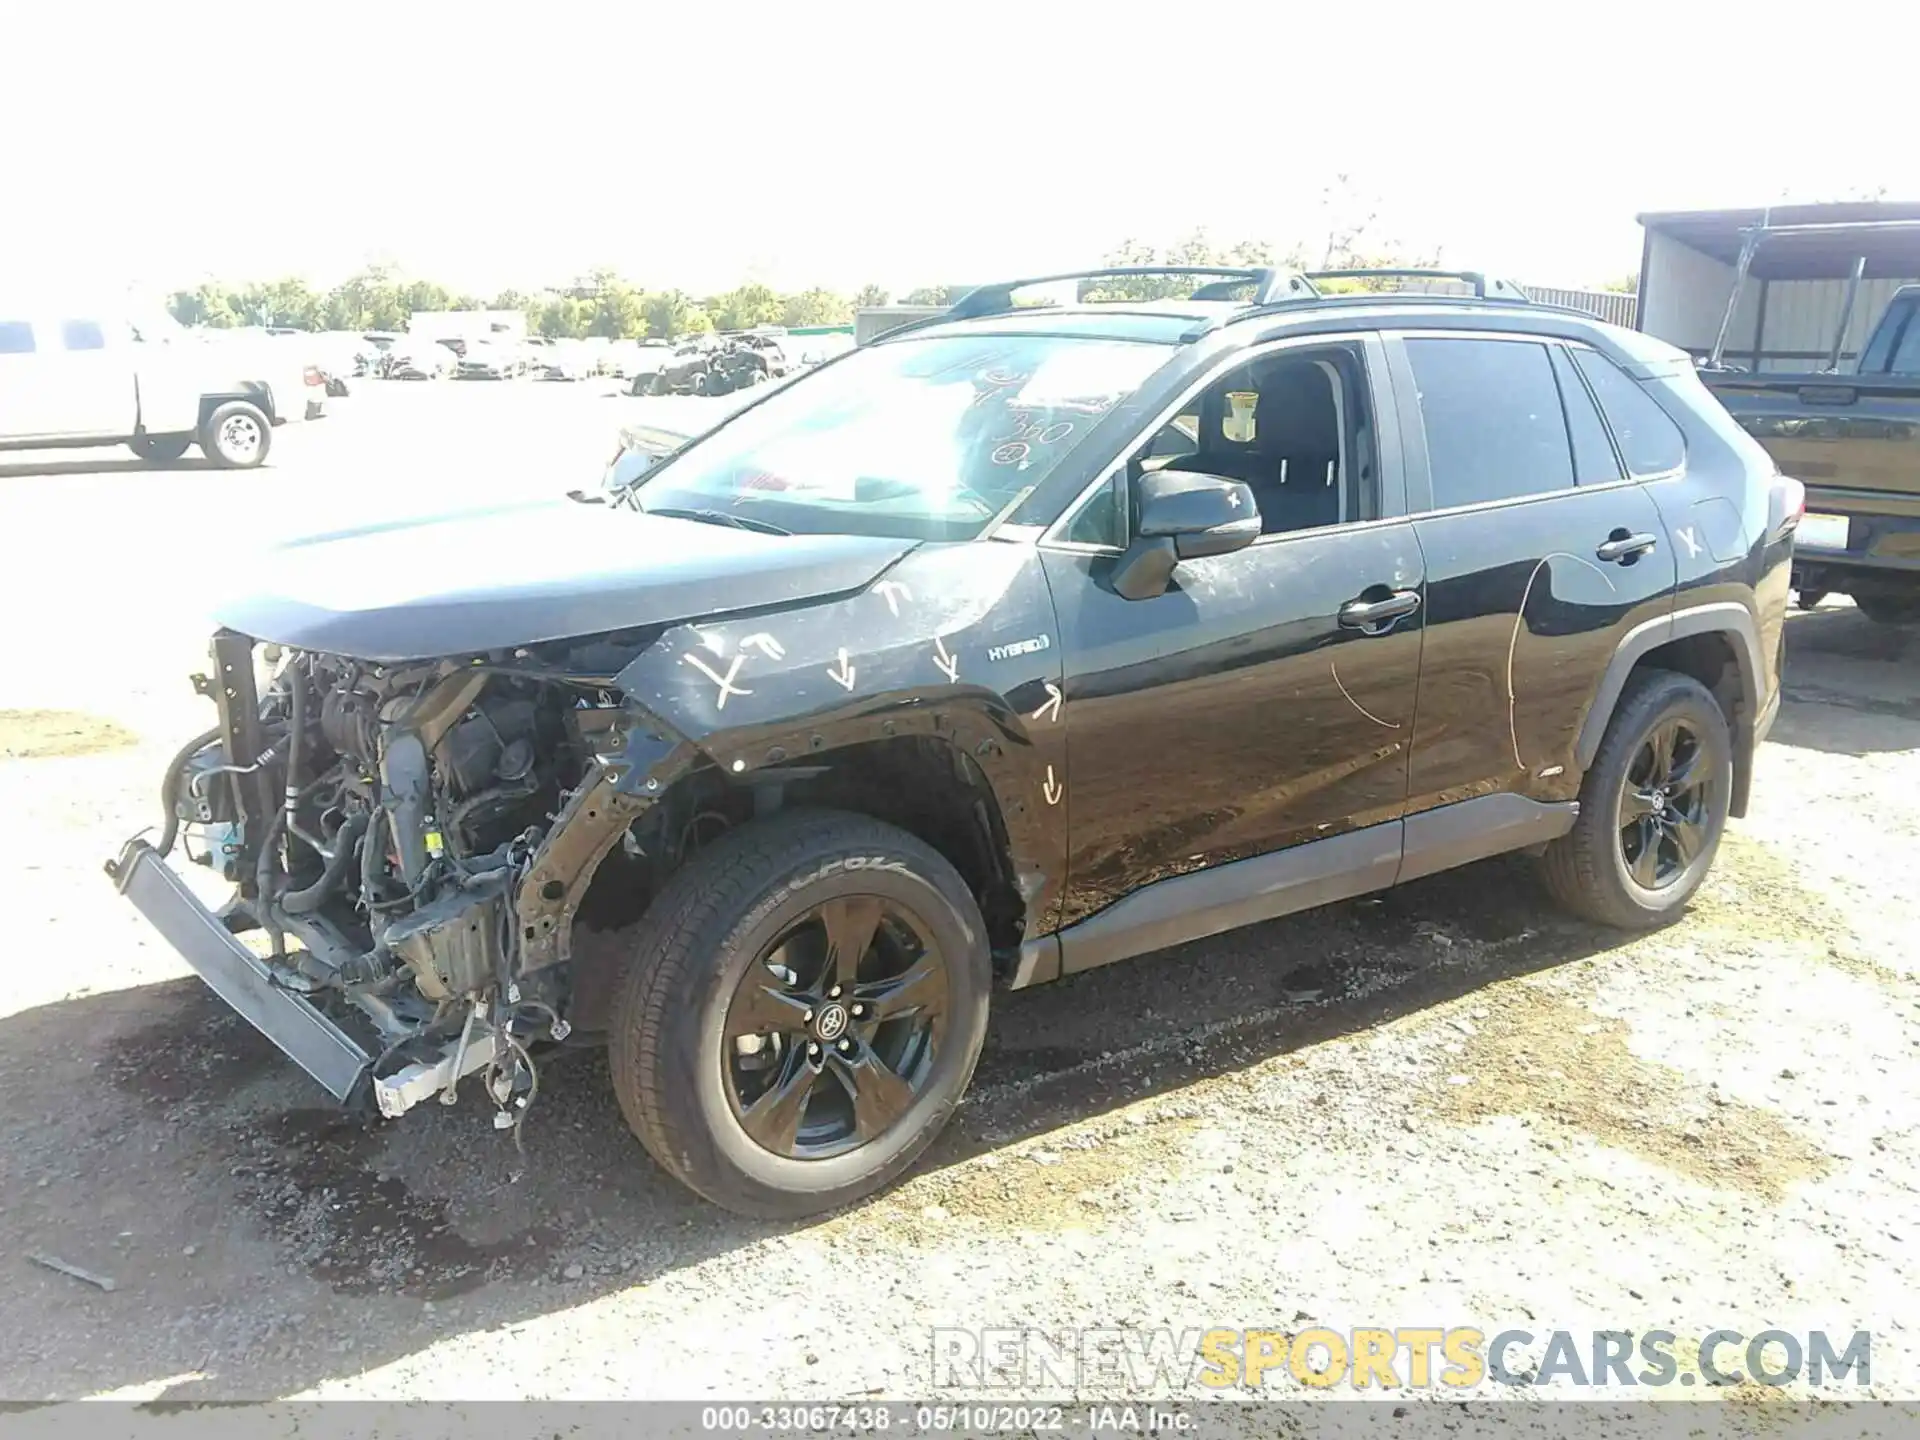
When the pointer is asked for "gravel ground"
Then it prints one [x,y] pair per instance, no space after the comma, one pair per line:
[1448,1105]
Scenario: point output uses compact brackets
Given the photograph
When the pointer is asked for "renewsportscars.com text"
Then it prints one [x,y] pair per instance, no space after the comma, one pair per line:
[1377,1357]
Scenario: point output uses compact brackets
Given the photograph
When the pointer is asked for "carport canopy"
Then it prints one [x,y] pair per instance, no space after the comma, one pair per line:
[1804,242]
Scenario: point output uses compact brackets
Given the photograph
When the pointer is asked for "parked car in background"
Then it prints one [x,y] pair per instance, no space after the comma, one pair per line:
[87,376]
[625,358]
[566,360]
[1850,437]
[420,360]
[490,360]
[738,365]
[684,372]
[639,361]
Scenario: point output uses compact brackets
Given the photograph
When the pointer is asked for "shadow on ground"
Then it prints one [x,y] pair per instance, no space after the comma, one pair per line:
[195,1133]
[99,462]
[1846,678]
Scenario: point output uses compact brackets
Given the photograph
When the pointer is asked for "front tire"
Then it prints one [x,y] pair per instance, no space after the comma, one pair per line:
[1890,609]
[236,436]
[1652,807]
[804,1008]
[160,449]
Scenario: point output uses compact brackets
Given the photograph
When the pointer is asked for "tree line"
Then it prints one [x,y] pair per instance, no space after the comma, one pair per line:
[600,303]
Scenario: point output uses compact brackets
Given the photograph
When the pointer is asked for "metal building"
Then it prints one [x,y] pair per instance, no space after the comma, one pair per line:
[1796,291]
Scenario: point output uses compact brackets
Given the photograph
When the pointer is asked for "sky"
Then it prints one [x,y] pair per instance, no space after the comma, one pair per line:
[696,146]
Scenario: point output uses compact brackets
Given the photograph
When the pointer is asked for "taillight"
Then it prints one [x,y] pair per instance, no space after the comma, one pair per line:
[1789,501]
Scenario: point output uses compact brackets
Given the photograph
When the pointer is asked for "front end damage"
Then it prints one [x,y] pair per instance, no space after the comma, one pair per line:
[410,846]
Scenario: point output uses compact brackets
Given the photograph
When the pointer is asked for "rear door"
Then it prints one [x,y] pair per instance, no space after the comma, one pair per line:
[89,369]
[1540,556]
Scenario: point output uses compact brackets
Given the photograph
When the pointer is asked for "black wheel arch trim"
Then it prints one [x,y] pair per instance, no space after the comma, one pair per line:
[1726,617]
[620,786]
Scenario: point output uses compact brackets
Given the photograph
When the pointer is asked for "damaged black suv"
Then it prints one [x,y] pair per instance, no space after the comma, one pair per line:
[1026,639]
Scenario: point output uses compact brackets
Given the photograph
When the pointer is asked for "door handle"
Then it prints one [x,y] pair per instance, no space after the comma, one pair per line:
[1620,547]
[1368,614]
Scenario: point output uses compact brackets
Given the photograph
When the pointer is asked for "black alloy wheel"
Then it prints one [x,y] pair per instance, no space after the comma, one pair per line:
[1653,805]
[1665,810]
[833,1031]
[806,1000]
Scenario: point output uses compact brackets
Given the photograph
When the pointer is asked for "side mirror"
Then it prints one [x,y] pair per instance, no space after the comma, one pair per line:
[1182,515]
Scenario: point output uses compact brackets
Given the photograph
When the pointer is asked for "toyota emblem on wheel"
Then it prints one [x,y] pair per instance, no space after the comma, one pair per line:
[831,1022]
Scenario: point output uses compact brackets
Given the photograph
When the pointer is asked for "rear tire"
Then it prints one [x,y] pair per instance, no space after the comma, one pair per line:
[1890,609]
[1650,817]
[236,436]
[160,449]
[775,894]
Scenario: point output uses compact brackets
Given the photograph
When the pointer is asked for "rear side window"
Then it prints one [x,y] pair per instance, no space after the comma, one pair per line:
[83,335]
[1495,429]
[1594,462]
[16,337]
[1895,332]
[1649,441]
[1906,358]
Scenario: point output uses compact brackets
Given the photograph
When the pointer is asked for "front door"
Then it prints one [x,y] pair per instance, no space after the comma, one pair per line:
[1539,557]
[1254,705]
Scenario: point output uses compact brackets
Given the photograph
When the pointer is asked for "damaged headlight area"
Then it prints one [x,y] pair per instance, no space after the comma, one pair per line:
[385,827]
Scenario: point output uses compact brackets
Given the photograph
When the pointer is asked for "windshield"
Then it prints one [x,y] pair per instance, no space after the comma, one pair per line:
[927,439]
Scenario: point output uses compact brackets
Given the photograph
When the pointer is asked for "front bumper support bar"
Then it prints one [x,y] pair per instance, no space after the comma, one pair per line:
[237,975]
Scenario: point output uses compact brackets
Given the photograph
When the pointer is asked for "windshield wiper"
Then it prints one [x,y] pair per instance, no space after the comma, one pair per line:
[717,517]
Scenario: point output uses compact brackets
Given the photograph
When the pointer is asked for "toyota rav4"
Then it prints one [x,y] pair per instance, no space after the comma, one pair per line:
[1025,640]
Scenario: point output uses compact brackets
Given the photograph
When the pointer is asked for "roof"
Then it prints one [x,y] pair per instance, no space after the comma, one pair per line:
[1820,242]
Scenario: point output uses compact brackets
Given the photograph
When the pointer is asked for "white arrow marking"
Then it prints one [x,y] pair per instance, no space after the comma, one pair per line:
[892,589]
[1052,790]
[949,664]
[1053,703]
[843,675]
[725,682]
[1693,545]
[766,645]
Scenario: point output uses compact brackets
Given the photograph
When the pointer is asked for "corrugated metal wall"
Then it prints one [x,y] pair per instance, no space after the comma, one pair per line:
[1686,294]
[1616,307]
[1802,314]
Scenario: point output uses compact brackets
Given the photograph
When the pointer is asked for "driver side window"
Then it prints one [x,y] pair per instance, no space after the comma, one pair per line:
[1295,426]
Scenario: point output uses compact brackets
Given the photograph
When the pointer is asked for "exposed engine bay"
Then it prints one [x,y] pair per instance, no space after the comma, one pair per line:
[380,822]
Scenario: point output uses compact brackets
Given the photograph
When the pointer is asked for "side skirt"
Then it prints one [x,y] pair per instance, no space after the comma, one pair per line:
[1267,887]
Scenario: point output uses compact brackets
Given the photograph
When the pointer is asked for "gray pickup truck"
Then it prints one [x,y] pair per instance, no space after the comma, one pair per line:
[1853,439]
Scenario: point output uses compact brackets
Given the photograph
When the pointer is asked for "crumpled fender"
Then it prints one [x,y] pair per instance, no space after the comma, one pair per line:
[956,643]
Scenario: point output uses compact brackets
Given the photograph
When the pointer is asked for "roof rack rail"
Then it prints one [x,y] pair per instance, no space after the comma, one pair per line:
[1270,285]
[1485,287]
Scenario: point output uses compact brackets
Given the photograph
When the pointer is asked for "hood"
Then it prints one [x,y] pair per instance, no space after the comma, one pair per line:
[521,575]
